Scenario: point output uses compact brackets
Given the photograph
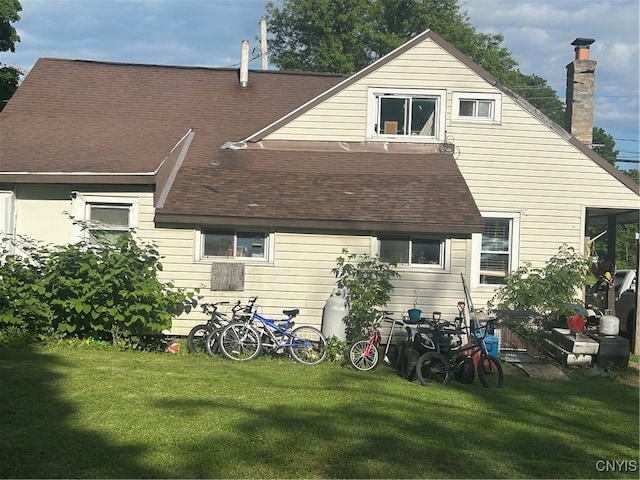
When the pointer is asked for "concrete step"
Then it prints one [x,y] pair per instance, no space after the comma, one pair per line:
[564,356]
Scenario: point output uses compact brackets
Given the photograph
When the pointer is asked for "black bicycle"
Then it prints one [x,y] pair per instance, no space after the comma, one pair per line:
[200,334]
[439,365]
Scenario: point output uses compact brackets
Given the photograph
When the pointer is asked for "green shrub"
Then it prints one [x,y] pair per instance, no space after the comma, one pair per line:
[105,291]
[337,349]
[368,281]
[547,292]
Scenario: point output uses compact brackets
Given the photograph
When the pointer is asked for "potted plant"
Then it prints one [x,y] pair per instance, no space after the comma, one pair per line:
[415,313]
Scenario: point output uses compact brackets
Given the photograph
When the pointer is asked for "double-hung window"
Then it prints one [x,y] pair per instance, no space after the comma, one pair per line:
[102,217]
[232,244]
[495,250]
[424,252]
[406,114]
[108,221]
[477,107]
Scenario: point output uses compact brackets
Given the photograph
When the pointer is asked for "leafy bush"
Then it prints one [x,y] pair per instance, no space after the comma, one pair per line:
[105,291]
[368,281]
[547,292]
[336,349]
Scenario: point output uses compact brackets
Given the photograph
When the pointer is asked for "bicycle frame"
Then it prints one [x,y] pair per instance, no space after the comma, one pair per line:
[279,331]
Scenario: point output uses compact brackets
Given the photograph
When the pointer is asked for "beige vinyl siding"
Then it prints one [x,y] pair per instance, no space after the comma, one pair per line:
[40,213]
[301,277]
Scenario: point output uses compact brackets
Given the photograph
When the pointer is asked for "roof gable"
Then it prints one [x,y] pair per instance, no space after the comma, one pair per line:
[371,75]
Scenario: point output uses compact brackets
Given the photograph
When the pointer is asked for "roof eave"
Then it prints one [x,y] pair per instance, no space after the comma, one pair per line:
[77,178]
[361,226]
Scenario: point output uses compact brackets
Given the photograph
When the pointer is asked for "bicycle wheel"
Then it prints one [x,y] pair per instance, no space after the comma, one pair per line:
[364,356]
[308,346]
[490,371]
[196,338]
[240,342]
[212,341]
[433,367]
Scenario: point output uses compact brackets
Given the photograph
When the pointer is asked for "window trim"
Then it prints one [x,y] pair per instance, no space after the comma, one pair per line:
[445,252]
[201,231]
[496,98]
[81,206]
[373,95]
[7,218]
[476,247]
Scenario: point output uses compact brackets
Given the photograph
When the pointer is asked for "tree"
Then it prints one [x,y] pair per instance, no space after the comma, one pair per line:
[9,76]
[344,36]
[604,145]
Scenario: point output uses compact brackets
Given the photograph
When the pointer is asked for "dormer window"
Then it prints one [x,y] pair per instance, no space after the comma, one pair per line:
[406,115]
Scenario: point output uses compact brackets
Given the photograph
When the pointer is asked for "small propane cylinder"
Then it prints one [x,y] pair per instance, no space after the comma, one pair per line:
[609,324]
[333,314]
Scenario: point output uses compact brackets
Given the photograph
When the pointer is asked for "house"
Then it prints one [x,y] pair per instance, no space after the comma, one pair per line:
[252,182]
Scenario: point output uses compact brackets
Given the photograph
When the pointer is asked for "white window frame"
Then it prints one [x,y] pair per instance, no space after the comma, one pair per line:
[203,230]
[514,247]
[81,210]
[7,218]
[495,98]
[445,252]
[373,112]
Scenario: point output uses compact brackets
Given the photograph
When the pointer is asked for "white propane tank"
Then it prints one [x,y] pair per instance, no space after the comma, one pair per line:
[335,309]
[609,324]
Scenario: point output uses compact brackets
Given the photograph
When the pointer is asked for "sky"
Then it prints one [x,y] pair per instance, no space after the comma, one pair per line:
[209,33]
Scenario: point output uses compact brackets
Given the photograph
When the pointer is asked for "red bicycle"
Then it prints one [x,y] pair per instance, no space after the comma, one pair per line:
[364,355]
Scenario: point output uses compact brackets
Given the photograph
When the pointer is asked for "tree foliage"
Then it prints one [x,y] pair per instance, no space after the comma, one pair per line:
[106,291]
[9,76]
[548,291]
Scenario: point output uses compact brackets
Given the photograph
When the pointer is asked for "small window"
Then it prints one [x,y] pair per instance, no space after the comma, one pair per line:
[480,107]
[234,244]
[495,254]
[476,108]
[413,251]
[108,221]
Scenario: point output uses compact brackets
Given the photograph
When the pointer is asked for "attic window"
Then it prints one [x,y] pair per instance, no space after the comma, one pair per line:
[406,115]
[477,107]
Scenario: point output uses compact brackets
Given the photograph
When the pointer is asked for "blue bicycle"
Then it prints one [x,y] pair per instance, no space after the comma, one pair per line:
[242,341]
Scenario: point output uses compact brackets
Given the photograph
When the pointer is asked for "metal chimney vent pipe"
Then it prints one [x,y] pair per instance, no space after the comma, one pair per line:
[244,64]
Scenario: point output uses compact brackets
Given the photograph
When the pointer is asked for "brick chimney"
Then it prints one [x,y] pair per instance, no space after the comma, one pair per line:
[581,79]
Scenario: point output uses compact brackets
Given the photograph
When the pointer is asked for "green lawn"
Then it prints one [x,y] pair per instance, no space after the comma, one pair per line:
[107,414]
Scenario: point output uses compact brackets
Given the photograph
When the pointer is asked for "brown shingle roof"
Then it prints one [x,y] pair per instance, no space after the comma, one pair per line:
[108,120]
[374,191]
[79,116]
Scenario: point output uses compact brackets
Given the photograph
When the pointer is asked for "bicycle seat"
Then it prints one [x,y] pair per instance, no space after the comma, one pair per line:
[291,313]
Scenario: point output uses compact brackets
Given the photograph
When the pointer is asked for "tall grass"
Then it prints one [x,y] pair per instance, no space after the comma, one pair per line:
[107,414]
